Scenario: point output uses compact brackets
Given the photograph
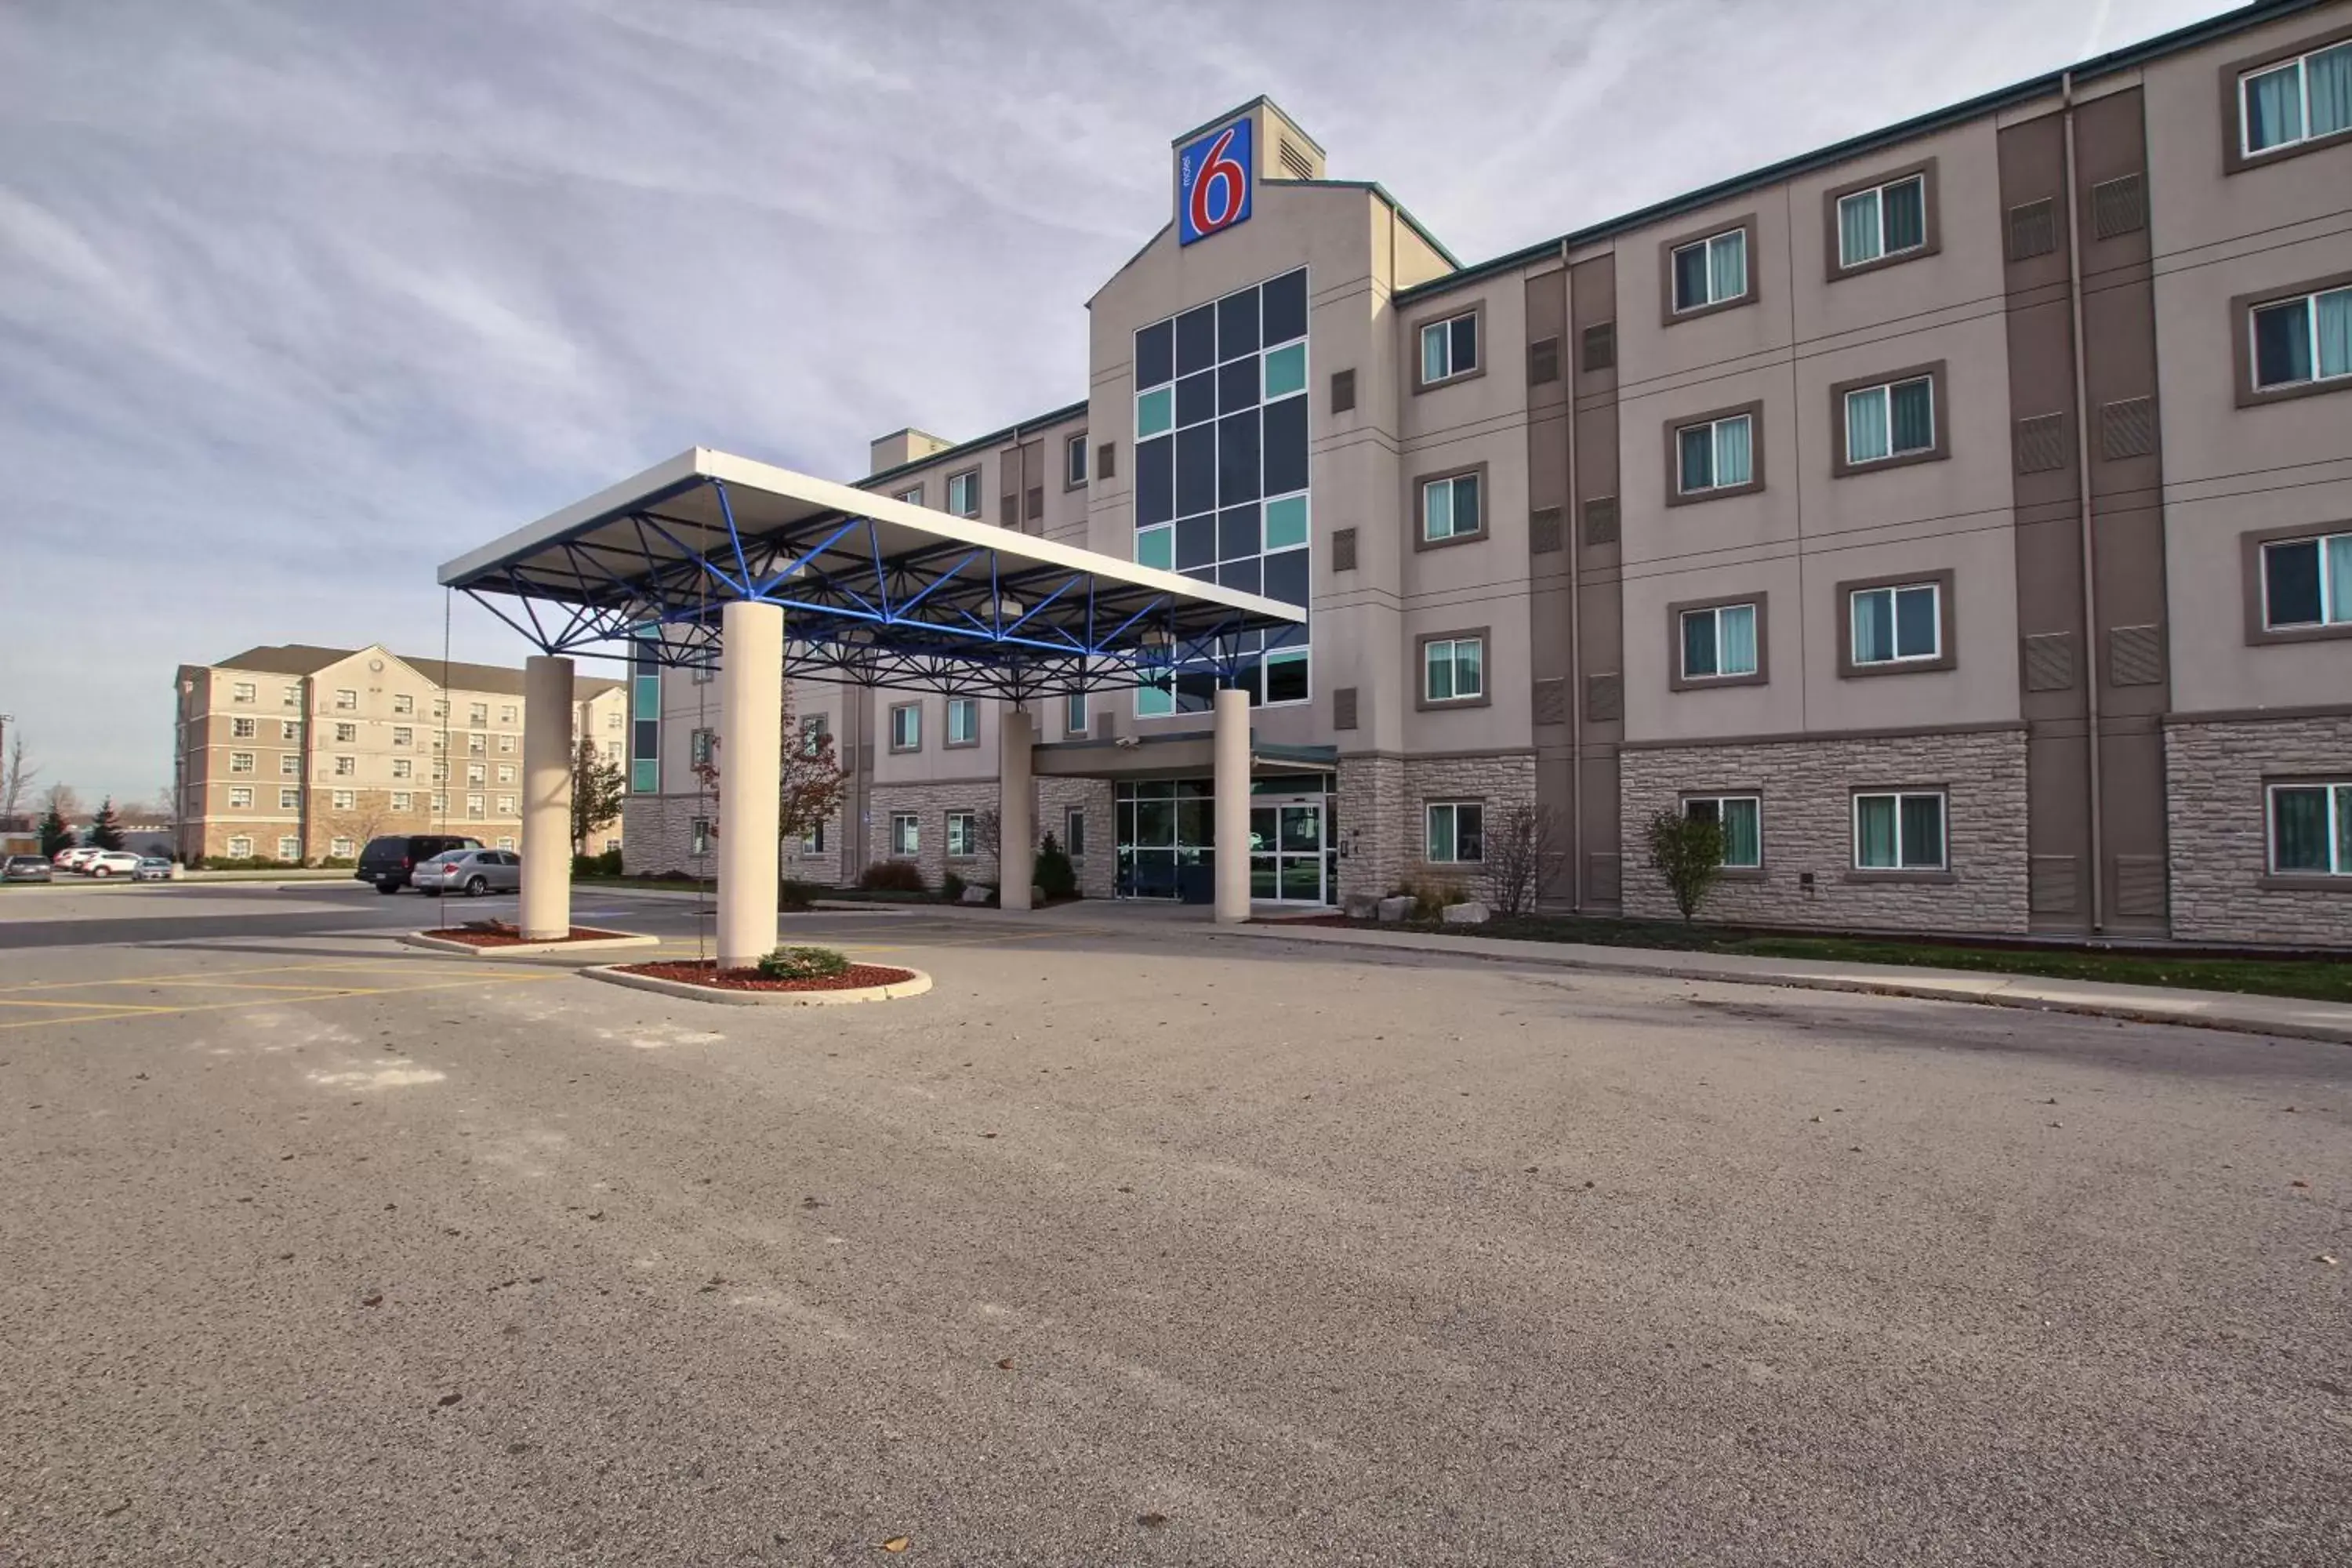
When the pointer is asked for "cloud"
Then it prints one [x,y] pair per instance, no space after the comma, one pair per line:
[299,300]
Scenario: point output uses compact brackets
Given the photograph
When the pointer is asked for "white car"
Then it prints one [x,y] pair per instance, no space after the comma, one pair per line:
[110,863]
[75,858]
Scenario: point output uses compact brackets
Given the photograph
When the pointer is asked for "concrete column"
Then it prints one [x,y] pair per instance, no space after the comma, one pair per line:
[1233,805]
[1017,810]
[750,732]
[547,741]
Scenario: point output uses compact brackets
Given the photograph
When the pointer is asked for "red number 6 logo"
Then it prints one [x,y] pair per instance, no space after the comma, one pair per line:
[1218,169]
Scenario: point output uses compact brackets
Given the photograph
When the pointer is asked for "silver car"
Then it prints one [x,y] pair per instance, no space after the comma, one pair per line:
[472,872]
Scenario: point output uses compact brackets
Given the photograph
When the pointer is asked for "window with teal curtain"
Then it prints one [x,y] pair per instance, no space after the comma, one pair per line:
[1865,425]
[2332,313]
[1873,832]
[1873,625]
[1858,228]
[1736,639]
[2343,794]
[1913,415]
[1690,277]
[1699,644]
[1726,265]
[1923,831]
[1732,455]
[1743,840]
[2283,343]
[2273,108]
[1903,214]
[2327,89]
[1916,630]
[1433,352]
[2299,828]
[2336,606]
[1697,447]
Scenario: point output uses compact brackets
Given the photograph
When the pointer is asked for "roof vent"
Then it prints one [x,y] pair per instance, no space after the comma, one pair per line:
[1295,164]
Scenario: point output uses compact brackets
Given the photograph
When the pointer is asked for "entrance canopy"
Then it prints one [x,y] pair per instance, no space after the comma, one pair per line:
[876,592]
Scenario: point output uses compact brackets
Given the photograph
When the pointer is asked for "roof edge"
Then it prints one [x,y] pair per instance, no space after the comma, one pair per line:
[965,448]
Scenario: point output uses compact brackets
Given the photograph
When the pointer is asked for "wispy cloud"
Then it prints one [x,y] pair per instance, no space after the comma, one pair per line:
[298,300]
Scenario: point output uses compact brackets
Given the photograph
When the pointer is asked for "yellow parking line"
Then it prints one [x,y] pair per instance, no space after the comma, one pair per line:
[4,1003]
[106,1011]
[356,965]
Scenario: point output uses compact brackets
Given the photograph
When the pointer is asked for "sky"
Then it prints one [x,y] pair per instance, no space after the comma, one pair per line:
[299,300]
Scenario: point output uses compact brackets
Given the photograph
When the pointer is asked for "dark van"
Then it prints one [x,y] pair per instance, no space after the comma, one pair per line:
[388,861]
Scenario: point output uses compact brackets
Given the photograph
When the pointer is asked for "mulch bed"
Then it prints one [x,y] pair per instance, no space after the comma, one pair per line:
[499,934]
[705,972]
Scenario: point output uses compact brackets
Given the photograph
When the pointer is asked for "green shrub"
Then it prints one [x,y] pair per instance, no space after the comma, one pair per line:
[1054,875]
[804,964]
[1688,853]
[892,877]
[797,897]
[951,887]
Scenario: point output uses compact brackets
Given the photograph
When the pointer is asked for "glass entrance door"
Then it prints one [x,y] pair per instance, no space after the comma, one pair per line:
[1287,859]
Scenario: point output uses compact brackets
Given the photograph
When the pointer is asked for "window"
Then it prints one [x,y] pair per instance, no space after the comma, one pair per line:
[964,721]
[812,841]
[505,745]
[347,701]
[912,495]
[1457,832]
[478,773]
[241,762]
[291,697]
[440,708]
[403,767]
[2307,583]
[402,703]
[347,734]
[1450,507]
[478,713]
[240,848]
[506,773]
[1882,221]
[906,832]
[699,840]
[963,493]
[1890,419]
[507,714]
[346,766]
[243,691]
[1453,669]
[1741,816]
[1073,461]
[289,848]
[403,800]
[2302,341]
[473,807]
[1221,476]
[1719,641]
[241,729]
[612,750]
[343,800]
[1715,454]
[290,729]
[289,799]
[699,747]
[699,674]
[2311,829]
[964,834]
[289,765]
[1074,832]
[436,740]
[476,746]
[402,735]
[1900,831]
[1075,717]
[506,805]
[812,734]
[440,805]
[440,770]
[906,727]
[1897,623]
[1710,272]
[240,796]
[1449,348]
[613,720]
[2295,102]
[507,843]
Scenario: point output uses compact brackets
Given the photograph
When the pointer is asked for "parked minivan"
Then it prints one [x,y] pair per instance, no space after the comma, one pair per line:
[391,862]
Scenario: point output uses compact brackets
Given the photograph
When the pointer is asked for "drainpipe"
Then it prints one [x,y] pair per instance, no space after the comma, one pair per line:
[1572,531]
[2083,490]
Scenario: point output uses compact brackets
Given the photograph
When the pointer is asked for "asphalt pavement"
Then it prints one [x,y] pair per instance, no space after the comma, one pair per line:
[1131,1244]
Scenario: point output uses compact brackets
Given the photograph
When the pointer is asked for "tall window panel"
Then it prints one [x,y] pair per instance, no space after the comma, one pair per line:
[1221,474]
[644,711]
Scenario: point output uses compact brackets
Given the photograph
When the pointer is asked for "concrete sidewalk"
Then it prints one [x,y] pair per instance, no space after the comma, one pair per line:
[2278,1016]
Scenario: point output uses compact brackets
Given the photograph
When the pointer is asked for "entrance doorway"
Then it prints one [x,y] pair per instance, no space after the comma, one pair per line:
[1167,840]
[1290,852]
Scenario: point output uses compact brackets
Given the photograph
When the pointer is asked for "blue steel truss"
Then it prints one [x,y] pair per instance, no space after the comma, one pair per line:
[947,617]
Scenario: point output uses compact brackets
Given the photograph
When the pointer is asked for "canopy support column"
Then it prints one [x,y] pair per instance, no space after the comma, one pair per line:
[1231,802]
[545,914]
[751,718]
[1016,813]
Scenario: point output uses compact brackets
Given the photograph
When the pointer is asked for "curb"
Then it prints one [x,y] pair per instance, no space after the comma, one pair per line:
[528,948]
[2194,1009]
[915,987]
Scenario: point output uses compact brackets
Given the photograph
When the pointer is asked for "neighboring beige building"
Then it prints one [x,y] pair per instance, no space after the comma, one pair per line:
[302,754]
[1962,514]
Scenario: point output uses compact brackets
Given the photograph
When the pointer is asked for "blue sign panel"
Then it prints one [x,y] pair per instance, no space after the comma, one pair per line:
[1213,182]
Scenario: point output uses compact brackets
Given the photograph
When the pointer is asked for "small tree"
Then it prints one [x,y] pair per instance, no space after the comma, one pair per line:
[1522,854]
[599,788]
[106,828]
[1687,851]
[17,780]
[56,835]
[1055,876]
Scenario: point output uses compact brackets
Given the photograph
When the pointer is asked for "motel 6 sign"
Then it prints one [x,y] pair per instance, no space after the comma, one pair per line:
[1213,182]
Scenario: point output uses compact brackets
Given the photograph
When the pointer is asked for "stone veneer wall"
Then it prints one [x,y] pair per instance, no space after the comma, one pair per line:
[1381,817]
[1097,870]
[2217,820]
[1805,788]
[658,838]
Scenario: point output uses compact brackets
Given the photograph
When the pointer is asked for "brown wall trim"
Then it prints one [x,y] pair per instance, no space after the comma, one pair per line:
[1840,468]
[1902,732]
[1948,648]
[1675,495]
[1678,681]
[2234,139]
[1667,315]
[1478,312]
[2241,343]
[1486,696]
[1421,539]
[1376,754]
[1931,214]
[2250,572]
[2259,715]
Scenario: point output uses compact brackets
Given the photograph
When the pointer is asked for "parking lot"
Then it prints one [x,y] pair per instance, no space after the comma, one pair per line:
[1132,1244]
